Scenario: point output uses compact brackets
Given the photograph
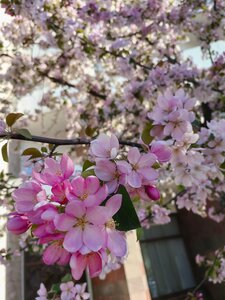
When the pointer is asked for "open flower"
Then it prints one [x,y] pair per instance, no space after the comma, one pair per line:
[80,292]
[105,146]
[55,172]
[88,190]
[68,291]
[141,167]
[82,226]
[27,196]
[112,173]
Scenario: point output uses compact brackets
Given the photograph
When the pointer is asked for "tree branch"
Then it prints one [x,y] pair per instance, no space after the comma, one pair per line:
[60,142]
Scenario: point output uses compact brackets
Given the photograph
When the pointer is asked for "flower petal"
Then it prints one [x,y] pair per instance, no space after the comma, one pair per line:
[134,179]
[117,243]
[64,222]
[114,204]
[78,265]
[133,155]
[97,215]
[73,240]
[67,166]
[75,209]
[93,237]
[94,264]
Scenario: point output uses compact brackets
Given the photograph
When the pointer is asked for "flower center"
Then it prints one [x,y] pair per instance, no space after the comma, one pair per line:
[135,167]
[111,224]
[81,222]
[84,196]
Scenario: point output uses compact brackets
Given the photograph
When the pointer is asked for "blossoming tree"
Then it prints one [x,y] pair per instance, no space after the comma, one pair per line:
[151,123]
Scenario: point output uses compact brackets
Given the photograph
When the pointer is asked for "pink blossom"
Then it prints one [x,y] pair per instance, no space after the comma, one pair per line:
[17,223]
[177,125]
[160,214]
[28,195]
[42,293]
[55,253]
[105,146]
[59,192]
[80,292]
[88,190]
[162,151]
[67,291]
[84,225]
[152,192]
[112,173]
[55,172]
[92,261]
[141,165]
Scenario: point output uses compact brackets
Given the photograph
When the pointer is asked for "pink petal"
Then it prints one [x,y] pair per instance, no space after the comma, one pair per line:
[114,143]
[105,170]
[73,240]
[98,197]
[133,156]
[148,173]
[63,222]
[92,184]
[147,160]
[97,215]
[162,151]
[117,243]
[64,258]
[93,237]
[134,179]
[67,166]
[78,186]
[94,264]
[123,166]
[75,209]
[51,254]
[114,204]
[78,265]
[112,185]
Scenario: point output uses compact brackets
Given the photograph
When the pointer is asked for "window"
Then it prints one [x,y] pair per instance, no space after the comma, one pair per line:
[166,261]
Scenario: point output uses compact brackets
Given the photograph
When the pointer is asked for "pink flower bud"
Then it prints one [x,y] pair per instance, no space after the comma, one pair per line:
[152,192]
[17,224]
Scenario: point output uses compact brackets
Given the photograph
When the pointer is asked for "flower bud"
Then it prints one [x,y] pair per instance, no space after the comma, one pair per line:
[17,224]
[152,192]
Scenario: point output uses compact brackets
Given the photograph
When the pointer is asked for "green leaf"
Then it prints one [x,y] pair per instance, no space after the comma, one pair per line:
[139,232]
[12,118]
[67,278]
[87,173]
[33,152]
[55,288]
[24,132]
[87,164]
[5,152]
[145,136]
[126,218]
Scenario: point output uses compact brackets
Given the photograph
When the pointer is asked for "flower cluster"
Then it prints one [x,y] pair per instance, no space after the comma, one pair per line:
[68,291]
[214,265]
[137,172]
[71,220]
[172,115]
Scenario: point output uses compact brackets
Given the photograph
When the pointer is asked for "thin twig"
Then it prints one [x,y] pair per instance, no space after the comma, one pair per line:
[60,142]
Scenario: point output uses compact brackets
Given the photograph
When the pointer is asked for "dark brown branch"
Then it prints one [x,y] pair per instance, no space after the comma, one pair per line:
[60,142]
